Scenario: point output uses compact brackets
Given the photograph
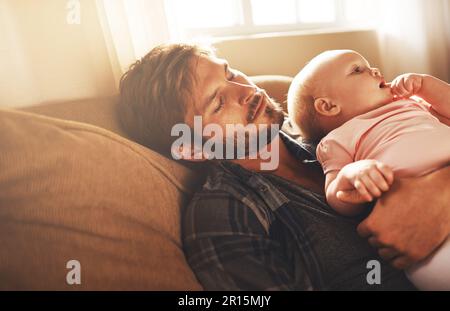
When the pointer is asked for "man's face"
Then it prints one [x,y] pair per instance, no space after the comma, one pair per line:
[353,84]
[222,95]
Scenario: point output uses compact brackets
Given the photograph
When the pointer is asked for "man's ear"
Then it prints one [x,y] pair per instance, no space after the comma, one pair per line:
[324,106]
[188,153]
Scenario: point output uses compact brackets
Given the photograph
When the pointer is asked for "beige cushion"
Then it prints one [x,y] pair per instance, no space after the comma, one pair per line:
[74,191]
[101,112]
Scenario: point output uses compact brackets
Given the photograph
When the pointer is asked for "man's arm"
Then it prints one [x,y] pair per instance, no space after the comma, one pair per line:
[411,220]
[228,249]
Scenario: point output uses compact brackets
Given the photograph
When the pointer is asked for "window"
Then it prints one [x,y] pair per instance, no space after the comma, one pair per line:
[242,17]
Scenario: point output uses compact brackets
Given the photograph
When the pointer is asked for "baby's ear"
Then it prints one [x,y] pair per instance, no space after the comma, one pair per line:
[325,107]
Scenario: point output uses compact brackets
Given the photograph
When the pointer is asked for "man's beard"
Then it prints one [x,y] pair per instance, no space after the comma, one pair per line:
[242,141]
[275,114]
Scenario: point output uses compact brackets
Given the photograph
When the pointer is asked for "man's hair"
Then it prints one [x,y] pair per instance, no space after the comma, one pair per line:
[155,92]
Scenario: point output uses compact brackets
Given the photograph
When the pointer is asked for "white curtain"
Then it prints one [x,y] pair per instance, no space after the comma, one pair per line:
[44,58]
[17,86]
[415,37]
[131,28]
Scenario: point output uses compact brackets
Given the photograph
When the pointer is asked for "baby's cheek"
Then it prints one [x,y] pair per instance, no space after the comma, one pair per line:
[367,102]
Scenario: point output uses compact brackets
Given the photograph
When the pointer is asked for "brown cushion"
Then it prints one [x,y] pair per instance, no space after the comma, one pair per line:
[101,112]
[74,191]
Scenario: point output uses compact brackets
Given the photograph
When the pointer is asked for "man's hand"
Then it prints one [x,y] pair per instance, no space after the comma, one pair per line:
[369,177]
[410,221]
[406,85]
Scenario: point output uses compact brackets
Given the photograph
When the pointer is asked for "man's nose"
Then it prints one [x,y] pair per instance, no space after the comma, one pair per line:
[244,93]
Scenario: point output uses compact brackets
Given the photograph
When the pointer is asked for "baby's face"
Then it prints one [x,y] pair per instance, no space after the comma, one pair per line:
[352,84]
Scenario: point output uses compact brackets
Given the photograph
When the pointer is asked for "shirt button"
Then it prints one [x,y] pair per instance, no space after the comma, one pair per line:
[263,189]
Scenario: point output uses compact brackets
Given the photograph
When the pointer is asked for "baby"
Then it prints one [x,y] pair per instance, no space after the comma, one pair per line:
[370,132]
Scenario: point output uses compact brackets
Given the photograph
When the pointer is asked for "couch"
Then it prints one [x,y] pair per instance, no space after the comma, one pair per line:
[75,188]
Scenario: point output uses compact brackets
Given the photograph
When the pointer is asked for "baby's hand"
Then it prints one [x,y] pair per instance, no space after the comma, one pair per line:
[369,177]
[406,85]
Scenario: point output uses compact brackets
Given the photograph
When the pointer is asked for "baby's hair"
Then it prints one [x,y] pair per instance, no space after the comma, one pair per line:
[301,96]
[301,109]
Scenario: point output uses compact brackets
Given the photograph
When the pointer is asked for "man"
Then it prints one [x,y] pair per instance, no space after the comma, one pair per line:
[252,229]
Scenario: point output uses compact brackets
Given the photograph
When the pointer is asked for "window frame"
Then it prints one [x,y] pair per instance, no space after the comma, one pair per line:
[246,27]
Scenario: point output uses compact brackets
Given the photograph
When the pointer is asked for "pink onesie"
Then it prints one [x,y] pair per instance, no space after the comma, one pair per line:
[402,134]
[408,138]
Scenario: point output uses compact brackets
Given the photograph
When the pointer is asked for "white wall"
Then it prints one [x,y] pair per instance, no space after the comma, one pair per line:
[287,54]
[43,58]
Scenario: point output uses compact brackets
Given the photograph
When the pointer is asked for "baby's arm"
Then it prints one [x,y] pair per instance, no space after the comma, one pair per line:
[431,89]
[368,177]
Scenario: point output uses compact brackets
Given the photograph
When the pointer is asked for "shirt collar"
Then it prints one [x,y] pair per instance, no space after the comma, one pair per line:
[270,194]
[299,149]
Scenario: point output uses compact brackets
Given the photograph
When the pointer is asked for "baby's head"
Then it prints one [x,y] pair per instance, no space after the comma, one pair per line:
[332,88]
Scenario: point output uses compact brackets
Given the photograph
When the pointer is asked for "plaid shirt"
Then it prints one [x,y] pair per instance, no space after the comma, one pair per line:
[242,232]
